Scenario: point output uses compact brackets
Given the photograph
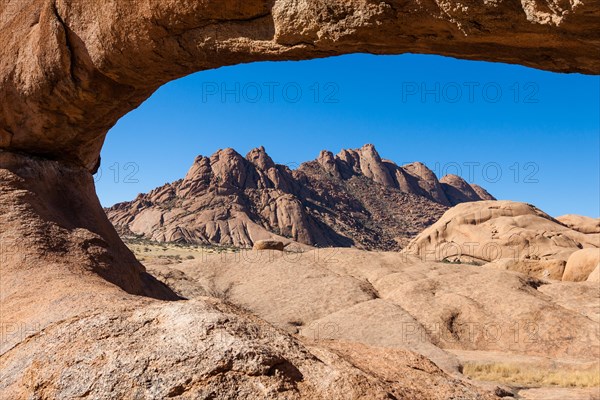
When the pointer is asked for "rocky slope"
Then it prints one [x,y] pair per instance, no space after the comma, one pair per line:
[372,297]
[205,349]
[449,313]
[394,300]
[352,199]
[511,235]
[501,312]
[580,223]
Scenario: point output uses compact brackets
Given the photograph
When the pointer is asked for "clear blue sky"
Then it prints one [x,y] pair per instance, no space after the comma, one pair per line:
[476,118]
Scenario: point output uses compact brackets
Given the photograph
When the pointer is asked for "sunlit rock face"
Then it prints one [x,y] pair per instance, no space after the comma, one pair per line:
[352,199]
[71,69]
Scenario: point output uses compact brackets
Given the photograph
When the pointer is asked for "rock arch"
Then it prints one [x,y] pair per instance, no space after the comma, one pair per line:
[71,68]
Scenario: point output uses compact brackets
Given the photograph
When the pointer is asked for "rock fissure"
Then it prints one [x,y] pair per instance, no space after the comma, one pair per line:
[69,46]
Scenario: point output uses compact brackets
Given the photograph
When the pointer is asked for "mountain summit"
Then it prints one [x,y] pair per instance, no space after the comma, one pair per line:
[354,198]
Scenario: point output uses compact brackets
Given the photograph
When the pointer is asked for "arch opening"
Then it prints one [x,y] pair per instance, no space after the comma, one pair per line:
[73,69]
[401,104]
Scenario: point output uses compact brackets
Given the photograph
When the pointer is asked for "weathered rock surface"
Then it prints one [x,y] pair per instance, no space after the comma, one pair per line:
[539,268]
[200,349]
[511,235]
[396,301]
[481,192]
[474,308]
[418,176]
[352,199]
[559,394]
[458,191]
[581,264]
[580,223]
[383,324]
[268,245]
[582,298]
[51,224]
[59,255]
[71,69]
[595,275]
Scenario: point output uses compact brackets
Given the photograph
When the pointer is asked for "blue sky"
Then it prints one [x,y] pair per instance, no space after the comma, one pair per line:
[523,134]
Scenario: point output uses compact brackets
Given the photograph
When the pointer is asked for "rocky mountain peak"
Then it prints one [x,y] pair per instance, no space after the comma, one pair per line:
[352,199]
[260,159]
[368,150]
[417,168]
[458,190]
[482,193]
[373,167]
[329,163]
[199,168]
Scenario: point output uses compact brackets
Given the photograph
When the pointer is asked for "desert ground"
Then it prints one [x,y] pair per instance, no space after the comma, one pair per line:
[510,326]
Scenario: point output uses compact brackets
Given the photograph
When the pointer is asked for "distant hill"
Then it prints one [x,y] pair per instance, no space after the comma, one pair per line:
[351,199]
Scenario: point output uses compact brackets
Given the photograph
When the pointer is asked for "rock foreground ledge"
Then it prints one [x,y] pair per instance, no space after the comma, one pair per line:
[71,69]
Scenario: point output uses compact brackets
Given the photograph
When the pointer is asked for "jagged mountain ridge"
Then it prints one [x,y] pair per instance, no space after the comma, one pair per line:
[355,198]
